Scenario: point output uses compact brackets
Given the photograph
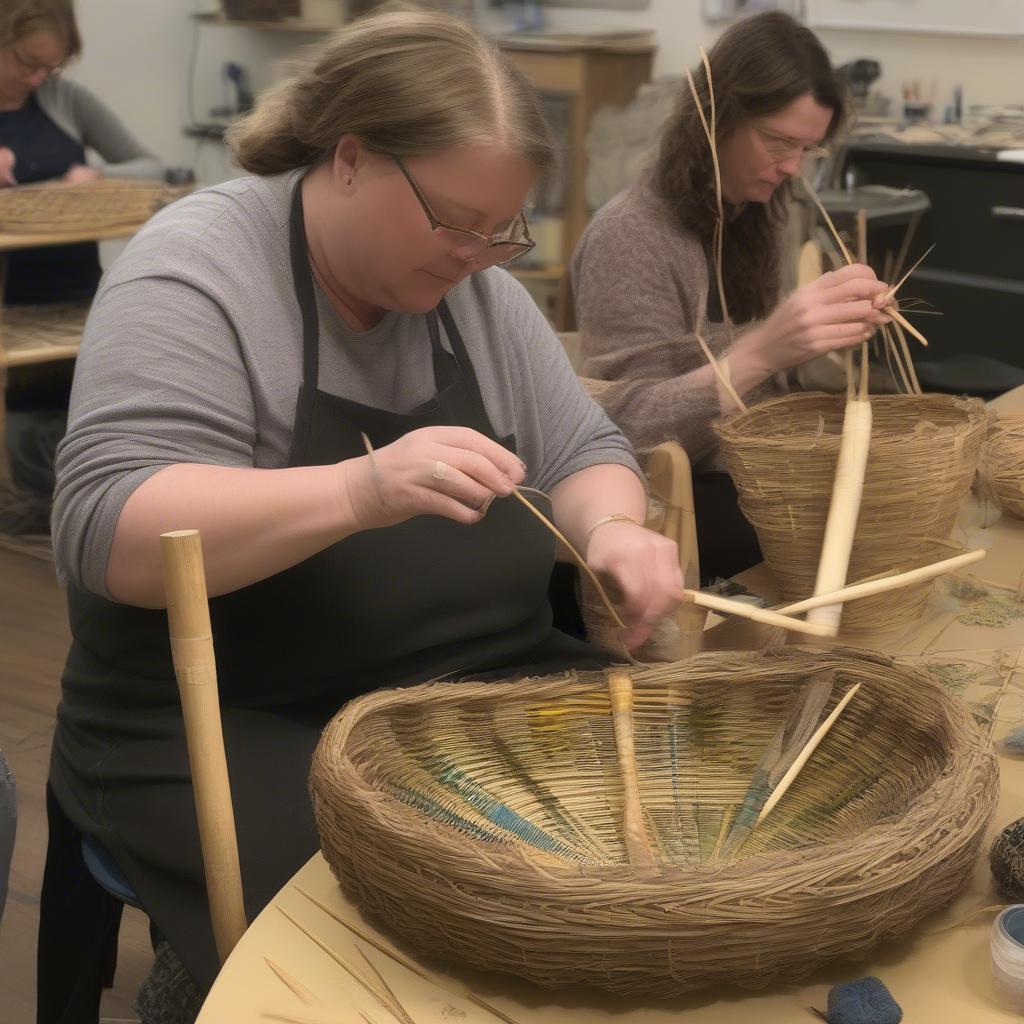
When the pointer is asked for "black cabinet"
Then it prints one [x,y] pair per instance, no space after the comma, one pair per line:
[975,275]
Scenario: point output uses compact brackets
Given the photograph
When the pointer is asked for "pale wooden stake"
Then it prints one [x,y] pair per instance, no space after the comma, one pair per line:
[871,587]
[188,616]
[905,323]
[844,508]
[620,690]
[789,778]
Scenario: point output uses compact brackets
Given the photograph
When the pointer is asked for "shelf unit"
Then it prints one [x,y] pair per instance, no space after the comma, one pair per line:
[591,72]
[31,334]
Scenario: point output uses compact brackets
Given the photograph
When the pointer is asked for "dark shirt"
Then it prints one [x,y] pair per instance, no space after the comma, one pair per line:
[43,152]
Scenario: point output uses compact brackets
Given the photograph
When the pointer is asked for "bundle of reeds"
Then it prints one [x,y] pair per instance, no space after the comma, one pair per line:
[613,831]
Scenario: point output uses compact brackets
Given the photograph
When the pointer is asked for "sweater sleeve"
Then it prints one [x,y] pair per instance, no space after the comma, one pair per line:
[638,301]
[160,380]
[100,129]
[641,287]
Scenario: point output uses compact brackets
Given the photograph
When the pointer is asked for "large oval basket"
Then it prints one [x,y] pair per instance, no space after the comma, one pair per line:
[922,461]
[483,823]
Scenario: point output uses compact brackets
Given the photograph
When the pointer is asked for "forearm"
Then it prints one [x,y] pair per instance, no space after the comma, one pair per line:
[254,523]
[142,167]
[588,495]
[746,365]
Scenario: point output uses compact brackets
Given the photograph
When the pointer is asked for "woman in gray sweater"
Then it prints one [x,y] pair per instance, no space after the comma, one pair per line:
[323,368]
[46,125]
[644,279]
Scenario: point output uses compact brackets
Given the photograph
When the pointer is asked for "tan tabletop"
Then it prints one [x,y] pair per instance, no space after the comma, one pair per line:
[938,973]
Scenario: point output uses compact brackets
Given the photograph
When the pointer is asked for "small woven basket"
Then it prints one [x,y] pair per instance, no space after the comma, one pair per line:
[483,823]
[1002,463]
[922,461]
[90,206]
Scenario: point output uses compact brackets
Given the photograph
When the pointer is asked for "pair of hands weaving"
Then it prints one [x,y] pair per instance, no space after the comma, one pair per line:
[457,473]
[406,479]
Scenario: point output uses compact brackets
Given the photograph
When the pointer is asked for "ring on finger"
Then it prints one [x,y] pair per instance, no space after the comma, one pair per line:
[440,470]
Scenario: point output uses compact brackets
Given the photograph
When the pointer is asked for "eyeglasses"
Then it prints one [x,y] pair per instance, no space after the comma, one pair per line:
[32,67]
[781,147]
[497,249]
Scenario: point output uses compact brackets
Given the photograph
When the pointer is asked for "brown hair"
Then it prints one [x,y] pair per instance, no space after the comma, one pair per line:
[759,66]
[20,18]
[404,81]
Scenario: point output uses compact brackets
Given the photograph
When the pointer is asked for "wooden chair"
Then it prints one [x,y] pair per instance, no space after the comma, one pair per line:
[670,513]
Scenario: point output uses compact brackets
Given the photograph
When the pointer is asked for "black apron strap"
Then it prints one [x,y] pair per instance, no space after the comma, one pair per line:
[447,369]
[302,278]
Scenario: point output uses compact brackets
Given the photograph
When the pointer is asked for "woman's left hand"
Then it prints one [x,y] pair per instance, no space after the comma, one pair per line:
[77,174]
[644,566]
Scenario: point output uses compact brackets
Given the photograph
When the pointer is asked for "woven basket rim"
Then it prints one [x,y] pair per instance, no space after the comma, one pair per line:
[747,427]
[793,870]
[84,187]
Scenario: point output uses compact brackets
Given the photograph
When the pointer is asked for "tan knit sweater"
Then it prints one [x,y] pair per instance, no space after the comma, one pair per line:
[641,285]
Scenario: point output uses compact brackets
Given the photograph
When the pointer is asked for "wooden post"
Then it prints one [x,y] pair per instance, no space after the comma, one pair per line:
[620,692]
[843,511]
[188,617]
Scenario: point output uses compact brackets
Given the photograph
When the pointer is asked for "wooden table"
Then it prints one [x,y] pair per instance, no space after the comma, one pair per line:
[939,973]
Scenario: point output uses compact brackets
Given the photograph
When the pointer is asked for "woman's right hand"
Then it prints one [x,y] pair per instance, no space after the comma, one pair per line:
[7,162]
[453,472]
[839,309]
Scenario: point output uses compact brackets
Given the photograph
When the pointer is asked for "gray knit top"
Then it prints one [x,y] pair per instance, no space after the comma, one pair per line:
[193,354]
[76,111]
[641,284]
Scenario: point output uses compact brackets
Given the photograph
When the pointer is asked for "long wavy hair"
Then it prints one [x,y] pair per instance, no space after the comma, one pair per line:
[758,67]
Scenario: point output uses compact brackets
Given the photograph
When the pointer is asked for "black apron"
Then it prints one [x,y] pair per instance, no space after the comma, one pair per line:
[384,607]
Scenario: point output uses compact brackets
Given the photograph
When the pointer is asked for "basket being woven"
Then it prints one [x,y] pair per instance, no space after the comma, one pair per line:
[483,823]
[90,206]
[923,457]
[1002,463]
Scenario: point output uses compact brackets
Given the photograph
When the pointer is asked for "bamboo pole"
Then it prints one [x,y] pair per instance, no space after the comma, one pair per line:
[789,778]
[188,616]
[620,690]
[872,587]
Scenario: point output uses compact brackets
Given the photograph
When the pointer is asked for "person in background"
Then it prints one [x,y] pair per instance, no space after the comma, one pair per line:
[46,125]
[644,279]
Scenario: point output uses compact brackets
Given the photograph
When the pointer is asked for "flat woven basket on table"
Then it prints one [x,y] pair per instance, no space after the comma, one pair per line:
[91,206]
[1002,463]
[482,823]
[923,457]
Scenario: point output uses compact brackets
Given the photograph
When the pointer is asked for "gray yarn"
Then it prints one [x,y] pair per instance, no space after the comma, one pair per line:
[865,1001]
